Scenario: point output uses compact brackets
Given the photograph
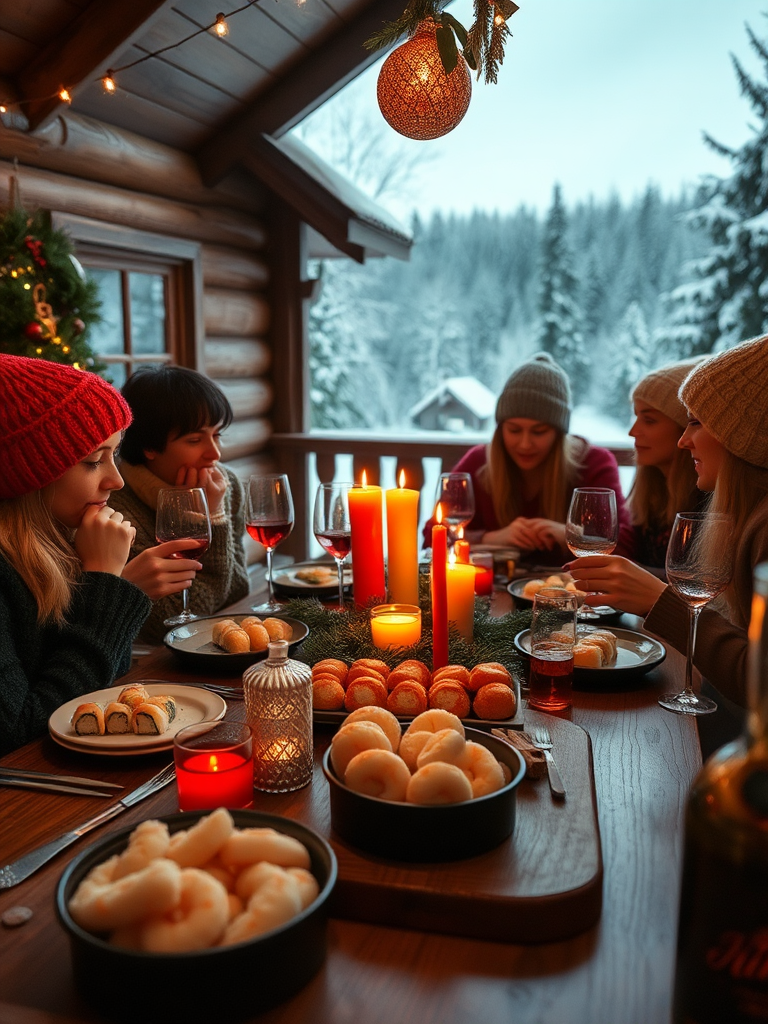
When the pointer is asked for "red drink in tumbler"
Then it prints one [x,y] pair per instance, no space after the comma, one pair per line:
[551,682]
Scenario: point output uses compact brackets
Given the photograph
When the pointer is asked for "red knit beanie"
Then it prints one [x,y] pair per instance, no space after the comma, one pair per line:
[51,417]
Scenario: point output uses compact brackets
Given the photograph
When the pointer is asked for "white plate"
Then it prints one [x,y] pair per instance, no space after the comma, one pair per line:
[636,653]
[193,705]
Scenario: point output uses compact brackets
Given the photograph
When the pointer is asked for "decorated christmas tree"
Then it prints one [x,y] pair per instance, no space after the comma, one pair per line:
[47,304]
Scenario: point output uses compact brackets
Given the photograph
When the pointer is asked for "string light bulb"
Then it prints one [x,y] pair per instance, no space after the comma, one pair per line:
[65,95]
[3,108]
[220,26]
[499,18]
[109,84]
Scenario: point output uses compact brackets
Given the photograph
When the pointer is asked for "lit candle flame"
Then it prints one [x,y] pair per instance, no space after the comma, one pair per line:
[439,513]
[460,533]
[452,558]
[402,478]
[213,763]
[365,481]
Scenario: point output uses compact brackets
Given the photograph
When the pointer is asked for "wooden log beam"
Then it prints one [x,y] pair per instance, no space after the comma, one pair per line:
[133,209]
[300,90]
[237,357]
[235,314]
[248,397]
[84,50]
[245,438]
[227,268]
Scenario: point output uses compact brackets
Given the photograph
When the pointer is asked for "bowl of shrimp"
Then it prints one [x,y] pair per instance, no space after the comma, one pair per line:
[436,792]
[198,916]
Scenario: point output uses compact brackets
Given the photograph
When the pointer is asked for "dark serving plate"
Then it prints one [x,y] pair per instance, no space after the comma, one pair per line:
[516,588]
[287,583]
[220,984]
[193,645]
[637,654]
[412,832]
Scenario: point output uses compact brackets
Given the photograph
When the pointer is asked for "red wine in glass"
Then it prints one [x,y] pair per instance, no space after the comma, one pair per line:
[196,548]
[270,520]
[336,543]
[332,527]
[269,535]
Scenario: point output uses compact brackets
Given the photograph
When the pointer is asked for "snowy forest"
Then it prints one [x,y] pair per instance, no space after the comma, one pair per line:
[610,289]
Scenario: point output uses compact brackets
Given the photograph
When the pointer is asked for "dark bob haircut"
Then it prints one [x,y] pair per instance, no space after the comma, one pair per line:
[168,402]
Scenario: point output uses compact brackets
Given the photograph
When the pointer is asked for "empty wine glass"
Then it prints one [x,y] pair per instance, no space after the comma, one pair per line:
[331,525]
[183,514]
[699,566]
[270,520]
[456,496]
[592,528]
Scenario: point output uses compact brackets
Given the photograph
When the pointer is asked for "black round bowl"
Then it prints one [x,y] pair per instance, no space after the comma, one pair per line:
[208,986]
[412,832]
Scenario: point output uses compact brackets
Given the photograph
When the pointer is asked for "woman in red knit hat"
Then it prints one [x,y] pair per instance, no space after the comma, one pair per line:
[67,617]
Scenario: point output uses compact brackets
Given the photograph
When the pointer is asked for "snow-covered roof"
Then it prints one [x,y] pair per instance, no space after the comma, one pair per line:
[468,390]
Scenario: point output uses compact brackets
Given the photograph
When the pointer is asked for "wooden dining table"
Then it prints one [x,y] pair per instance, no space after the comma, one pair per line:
[617,971]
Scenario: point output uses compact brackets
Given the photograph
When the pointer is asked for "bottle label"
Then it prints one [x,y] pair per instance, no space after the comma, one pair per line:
[722,967]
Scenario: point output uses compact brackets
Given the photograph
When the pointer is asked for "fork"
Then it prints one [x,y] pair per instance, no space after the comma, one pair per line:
[540,738]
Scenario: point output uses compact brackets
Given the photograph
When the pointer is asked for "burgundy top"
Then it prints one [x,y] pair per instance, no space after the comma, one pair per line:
[599,469]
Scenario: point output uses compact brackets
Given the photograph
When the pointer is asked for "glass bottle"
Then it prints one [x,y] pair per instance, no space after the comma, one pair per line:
[278,704]
[722,954]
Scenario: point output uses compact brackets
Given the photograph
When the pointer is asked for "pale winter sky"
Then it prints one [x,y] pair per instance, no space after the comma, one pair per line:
[599,95]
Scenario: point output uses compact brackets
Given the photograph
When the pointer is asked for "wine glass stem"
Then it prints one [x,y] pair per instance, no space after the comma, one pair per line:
[693,619]
[185,601]
[269,575]
[340,567]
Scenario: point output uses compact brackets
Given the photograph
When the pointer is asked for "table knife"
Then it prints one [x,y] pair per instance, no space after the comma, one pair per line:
[21,869]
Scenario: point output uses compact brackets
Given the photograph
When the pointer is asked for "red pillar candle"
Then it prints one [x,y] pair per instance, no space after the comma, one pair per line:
[439,593]
[365,517]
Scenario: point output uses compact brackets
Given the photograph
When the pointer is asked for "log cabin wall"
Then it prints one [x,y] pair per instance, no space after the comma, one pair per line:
[80,168]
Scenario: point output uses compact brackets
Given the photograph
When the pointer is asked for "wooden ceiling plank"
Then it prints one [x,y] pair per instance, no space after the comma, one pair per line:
[254,34]
[305,22]
[39,21]
[85,49]
[14,54]
[145,118]
[299,91]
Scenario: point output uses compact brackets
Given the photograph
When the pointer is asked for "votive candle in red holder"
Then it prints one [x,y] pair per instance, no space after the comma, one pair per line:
[365,518]
[483,563]
[439,592]
[214,766]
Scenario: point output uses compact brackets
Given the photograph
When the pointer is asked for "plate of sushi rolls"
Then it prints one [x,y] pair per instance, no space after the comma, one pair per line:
[139,718]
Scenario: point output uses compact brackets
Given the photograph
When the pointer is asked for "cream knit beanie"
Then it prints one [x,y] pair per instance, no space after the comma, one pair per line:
[660,387]
[537,390]
[728,393]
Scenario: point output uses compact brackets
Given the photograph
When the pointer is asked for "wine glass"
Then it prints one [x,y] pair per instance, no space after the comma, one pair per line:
[457,497]
[183,513]
[270,520]
[331,525]
[699,566]
[592,528]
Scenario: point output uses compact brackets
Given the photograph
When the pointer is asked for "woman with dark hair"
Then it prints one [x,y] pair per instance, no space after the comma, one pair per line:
[174,441]
[524,479]
[67,618]
[727,401]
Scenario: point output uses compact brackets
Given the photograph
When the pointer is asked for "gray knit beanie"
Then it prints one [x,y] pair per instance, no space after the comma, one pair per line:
[660,387]
[537,390]
[728,393]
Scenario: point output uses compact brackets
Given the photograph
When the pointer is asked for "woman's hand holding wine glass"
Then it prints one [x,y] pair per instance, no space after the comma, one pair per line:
[332,527]
[270,520]
[699,566]
[592,527]
[183,515]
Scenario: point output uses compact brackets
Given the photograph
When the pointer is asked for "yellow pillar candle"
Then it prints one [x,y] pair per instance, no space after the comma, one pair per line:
[395,625]
[403,543]
[460,580]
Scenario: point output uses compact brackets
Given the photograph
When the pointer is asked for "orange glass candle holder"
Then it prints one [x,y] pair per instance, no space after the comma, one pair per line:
[214,766]
[395,625]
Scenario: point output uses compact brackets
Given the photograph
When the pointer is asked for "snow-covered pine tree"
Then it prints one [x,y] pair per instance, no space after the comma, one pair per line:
[632,359]
[559,330]
[726,300]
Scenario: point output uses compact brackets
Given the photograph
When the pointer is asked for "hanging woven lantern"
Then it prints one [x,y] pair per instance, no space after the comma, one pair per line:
[417,98]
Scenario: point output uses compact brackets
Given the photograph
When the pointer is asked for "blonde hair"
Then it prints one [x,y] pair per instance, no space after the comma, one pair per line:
[503,480]
[655,499]
[33,543]
[739,489]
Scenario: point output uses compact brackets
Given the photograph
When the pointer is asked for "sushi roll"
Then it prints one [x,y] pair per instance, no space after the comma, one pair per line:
[149,720]
[168,704]
[133,695]
[88,720]
[117,718]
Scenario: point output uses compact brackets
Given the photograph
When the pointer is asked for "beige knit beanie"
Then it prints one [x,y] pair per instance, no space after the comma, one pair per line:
[537,390]
[660,387]
[728,393]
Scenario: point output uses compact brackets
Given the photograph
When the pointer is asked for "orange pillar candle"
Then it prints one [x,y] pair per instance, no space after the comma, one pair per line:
[403,543]
[367,543]
[439,593]
[461,551]
[460,587]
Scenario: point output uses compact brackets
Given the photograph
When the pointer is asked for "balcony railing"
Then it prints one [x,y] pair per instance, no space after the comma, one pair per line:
[299,455]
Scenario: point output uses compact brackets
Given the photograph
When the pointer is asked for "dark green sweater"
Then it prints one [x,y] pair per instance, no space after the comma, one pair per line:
[42,667]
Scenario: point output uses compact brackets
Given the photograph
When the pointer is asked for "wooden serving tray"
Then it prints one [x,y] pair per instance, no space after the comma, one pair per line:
[542,884]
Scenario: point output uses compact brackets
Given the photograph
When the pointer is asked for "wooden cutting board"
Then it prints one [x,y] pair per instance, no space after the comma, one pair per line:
[542,884]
